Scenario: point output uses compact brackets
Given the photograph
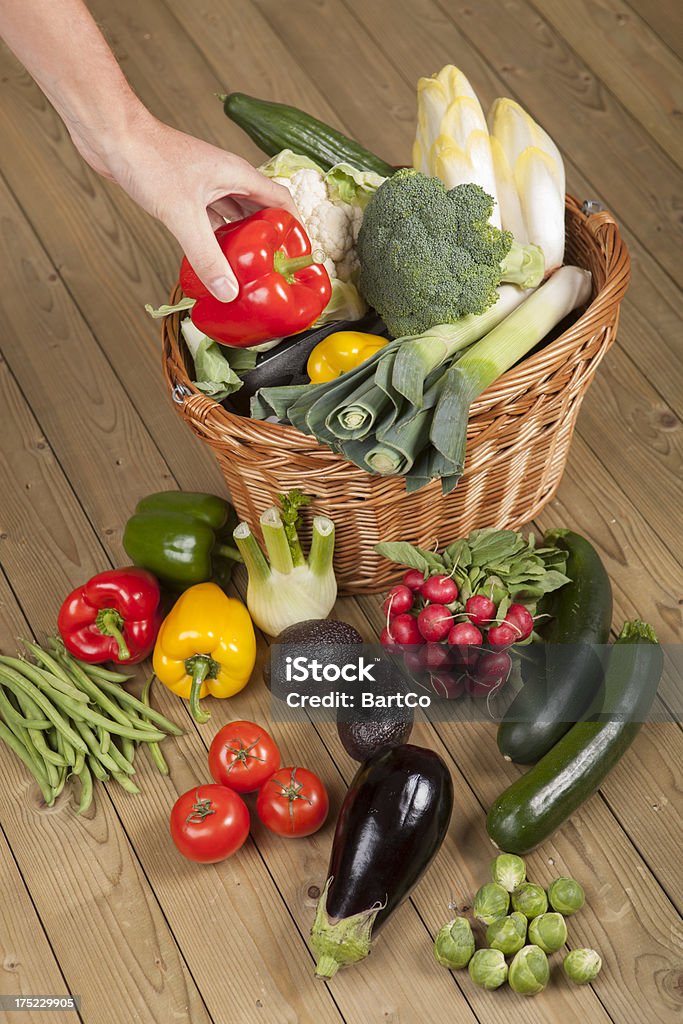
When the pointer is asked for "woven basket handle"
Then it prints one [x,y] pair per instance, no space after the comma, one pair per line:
[604,228]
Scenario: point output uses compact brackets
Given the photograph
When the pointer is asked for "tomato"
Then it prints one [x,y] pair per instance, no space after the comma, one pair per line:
[209,823]
[242,756]
[293,802]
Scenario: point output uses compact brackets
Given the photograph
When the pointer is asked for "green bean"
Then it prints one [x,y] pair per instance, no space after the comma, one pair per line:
[114,711]
[95,672]
[15,720]
[78,763]
[86,789]
[125,782]
[60,783]
[94,748]
[20,750]
[128,749]
[131,700]
[70,755]
[92,717]
[154,748]
[24,737]
[97,769]
[47,661]
[36,739]
[18,683]
[16,717]
[104,738]
[124,765]
[46,681]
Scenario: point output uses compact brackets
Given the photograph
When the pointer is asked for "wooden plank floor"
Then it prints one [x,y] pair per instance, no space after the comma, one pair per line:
[101,906]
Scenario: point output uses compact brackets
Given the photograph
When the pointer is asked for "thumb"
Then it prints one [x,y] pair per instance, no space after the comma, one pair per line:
[204,254]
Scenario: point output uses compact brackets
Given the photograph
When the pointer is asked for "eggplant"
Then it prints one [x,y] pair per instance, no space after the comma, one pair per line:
[391,825]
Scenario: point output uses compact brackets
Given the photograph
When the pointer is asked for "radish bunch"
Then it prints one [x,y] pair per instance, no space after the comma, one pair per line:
[463,646]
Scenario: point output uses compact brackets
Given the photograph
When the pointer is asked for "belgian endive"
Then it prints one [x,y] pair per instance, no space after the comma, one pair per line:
[452,139]
[530,180]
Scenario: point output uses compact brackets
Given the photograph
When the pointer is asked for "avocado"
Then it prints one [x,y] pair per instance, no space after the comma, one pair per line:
[316,636]
[362,737]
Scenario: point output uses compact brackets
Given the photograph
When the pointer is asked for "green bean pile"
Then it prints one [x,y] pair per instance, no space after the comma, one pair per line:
[66,719]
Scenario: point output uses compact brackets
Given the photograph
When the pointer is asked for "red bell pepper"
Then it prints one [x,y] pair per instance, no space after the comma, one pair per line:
[115,616]
[281,289]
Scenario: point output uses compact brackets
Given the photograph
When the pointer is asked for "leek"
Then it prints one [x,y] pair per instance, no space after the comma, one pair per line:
[289,588]
[505,345]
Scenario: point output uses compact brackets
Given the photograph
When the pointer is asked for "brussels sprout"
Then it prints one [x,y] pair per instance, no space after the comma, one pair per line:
[549,932]
[529,971]
[454,945]
[508,934]
[491,902]
[530,900]
[566,896]
[508,870]
[488,968]
[582,965]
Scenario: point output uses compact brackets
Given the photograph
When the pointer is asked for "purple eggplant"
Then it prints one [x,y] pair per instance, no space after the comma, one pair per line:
[391,825]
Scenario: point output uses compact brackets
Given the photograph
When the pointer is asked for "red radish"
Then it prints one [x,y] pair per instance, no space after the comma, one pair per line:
[398,600]
[480,688]
[413,579]
[413,661]
[480,609]
[521,619]
[435,656]
[434,622]
[387,640]
[503,635]
[493,667]
[447,685]
[465,633]
[404,630]
[439,588]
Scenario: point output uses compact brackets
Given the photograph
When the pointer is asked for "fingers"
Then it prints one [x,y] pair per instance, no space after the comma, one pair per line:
[254,186]
[226,209]
[204,254]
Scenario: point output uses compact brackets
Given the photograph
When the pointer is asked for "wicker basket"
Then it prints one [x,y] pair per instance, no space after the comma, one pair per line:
[518,435]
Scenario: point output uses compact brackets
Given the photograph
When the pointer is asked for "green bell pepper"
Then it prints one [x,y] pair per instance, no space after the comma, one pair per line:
[183,537]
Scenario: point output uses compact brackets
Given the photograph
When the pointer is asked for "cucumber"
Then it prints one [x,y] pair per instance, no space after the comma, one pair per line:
[530,810]
[275,126]
[564,673]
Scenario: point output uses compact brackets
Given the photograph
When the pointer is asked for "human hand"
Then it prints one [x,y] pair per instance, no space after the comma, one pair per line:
[192,187]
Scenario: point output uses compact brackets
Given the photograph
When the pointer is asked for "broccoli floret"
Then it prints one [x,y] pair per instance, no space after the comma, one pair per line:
[429,256]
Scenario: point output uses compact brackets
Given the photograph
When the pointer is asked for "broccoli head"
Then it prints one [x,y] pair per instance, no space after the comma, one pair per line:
[428,255]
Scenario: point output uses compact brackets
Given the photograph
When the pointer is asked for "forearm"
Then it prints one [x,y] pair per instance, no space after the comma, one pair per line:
[62,48]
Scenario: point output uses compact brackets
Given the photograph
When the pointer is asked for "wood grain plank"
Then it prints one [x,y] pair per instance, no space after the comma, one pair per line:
[460,866]
[632,60]
[45,553]
[641,970]
[571,99]
[112,256]
[110,937]
[665,18]
[27,963]
[419,36]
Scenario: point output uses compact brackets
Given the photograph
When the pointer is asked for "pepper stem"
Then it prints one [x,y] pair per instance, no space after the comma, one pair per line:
[288,265]
[110,623]
[226,551]
[200,666]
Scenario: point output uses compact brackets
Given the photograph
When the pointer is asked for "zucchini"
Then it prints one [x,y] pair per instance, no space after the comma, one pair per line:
[275,126]
[530,810]
[562,675]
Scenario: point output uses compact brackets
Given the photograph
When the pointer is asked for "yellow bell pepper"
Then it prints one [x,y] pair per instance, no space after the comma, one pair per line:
[206,644]
[340,352]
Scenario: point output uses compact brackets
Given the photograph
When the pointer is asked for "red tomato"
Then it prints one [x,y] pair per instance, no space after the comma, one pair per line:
[242,756]
[209,823]
[293,802]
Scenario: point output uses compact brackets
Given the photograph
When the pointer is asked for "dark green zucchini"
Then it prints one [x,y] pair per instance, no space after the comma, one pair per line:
[562,676]
[530,810]
[275,126]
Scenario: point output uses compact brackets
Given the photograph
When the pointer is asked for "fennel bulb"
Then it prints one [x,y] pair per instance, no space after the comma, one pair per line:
[290,588]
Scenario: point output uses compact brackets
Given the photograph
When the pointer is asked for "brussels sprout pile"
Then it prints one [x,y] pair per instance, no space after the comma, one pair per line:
[523,921]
